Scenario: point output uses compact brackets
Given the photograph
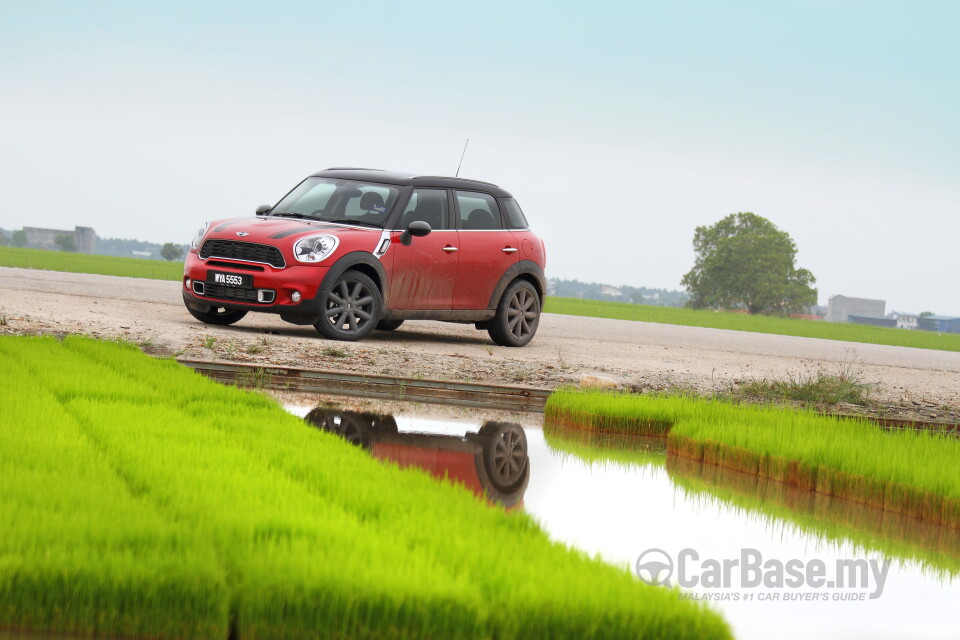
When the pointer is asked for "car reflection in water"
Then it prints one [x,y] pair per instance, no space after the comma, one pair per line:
[491,461]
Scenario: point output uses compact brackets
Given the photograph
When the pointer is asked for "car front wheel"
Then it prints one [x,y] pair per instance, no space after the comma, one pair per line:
[218,315]
[351,308]
[518,315]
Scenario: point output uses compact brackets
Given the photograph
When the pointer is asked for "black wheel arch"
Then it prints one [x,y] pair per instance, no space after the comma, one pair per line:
[361,261]
[523,270]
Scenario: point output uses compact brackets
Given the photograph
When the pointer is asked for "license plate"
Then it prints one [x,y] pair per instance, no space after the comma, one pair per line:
[241,281]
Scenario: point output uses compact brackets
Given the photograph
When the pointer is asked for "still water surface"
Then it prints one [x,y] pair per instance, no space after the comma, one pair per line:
[620,499]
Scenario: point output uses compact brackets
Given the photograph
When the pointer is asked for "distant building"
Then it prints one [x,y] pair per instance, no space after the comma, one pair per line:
[873,321]
[905,320]
[940,324]
[613,292]
[840,308]
[84,237]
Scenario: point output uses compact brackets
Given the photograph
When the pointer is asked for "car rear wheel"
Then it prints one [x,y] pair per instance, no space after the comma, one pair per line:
[388,325]
[218,315]
[505,453]
[351,308]
[518,315]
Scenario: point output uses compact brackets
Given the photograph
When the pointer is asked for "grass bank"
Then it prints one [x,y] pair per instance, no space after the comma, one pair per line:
[88,263]
[756,324]
[913,473]
[142,500]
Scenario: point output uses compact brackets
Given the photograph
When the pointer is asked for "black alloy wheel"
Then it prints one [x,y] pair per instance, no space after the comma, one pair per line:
[351,308]
[518,316]
[506,455]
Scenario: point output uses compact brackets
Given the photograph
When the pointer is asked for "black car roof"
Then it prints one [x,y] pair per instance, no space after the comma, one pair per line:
[411,180]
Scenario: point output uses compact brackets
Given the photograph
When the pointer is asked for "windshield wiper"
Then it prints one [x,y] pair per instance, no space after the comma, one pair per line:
[290,214]
[353,222]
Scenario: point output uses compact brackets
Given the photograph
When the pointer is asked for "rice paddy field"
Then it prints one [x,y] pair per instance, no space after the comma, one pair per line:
[604,447]
[913,473]
[936,549]
[141,500]
[756,324]
[88,263]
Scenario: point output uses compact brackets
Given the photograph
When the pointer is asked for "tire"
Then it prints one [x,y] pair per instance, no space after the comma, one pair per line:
[351,308]
[218,315]
[505,454]
[518,315]
[388,325]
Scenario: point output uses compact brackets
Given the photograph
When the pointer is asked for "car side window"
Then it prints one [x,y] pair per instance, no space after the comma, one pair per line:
[478,211]
[428,205]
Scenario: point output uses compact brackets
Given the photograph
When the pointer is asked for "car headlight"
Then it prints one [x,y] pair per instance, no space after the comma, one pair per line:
[195,243]
[315,248]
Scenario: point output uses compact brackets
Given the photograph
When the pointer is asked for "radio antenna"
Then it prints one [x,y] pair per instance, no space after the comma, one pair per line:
[457,175]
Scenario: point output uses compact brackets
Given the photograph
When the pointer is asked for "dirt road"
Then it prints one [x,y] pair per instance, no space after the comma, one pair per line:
[637,354]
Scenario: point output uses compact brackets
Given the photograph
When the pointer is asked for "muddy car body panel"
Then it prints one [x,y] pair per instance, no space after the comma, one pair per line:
[350,250]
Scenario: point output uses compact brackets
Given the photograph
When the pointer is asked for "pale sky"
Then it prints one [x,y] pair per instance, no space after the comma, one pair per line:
[619,127]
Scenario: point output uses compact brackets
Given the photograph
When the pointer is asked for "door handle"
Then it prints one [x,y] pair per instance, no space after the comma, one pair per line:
[450,249]
[509,250]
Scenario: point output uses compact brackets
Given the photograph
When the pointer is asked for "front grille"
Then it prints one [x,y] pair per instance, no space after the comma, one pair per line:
[229,293]
[248,251]
[234,265]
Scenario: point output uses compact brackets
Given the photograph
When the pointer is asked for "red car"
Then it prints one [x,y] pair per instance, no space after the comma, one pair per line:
[491,460]
[353,250]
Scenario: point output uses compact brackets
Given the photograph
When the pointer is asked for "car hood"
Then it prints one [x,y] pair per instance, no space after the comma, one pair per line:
[267,230]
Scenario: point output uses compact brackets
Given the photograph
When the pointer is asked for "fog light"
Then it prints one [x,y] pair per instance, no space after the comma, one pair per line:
[187,283]
[295,296]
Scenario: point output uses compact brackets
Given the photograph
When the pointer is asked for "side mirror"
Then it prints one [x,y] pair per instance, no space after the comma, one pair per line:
[417,228]
[264,208]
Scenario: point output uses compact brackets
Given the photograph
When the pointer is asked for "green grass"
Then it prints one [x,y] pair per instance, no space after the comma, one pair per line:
[140,499]
[816,390]
[917,473]
[756,324]
[88,263]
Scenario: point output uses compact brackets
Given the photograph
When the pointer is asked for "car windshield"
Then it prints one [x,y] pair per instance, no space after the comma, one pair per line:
[344,201]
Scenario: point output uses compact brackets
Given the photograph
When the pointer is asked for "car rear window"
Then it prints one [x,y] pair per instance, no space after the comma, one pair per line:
[513,214]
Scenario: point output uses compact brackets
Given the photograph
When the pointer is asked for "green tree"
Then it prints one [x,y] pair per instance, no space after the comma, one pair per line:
[745,261]
[66,242]
[19,238]
[170,251]
[4,240]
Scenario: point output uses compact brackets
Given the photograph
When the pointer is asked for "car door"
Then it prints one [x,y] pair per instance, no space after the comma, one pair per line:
[487,249]
[423,273]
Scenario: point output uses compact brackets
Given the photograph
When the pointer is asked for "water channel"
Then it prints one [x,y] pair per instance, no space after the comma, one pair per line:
[697,526]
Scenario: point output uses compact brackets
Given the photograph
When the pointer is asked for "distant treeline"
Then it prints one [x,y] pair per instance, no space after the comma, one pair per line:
[635,295]
[131,248]
[120,247]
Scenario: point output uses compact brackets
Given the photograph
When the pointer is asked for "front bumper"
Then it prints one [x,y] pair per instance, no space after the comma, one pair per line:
[272,291]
